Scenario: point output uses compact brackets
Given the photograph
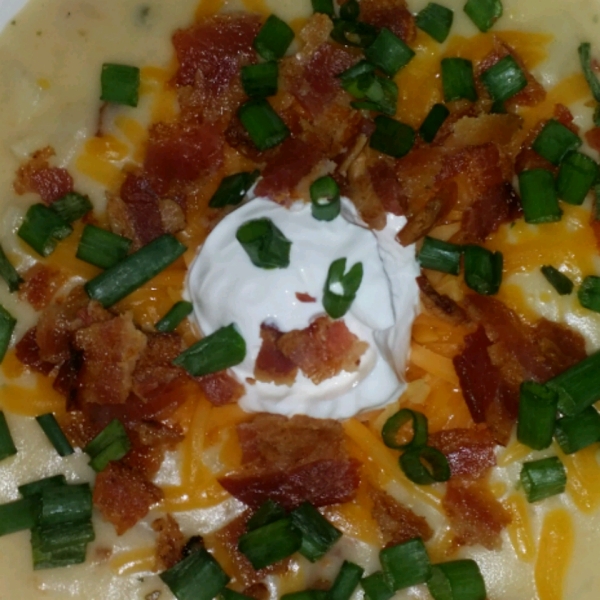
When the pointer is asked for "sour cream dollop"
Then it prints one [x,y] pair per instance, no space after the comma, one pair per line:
[225,287]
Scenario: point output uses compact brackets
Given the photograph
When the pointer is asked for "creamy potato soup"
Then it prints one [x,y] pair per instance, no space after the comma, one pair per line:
[51,55]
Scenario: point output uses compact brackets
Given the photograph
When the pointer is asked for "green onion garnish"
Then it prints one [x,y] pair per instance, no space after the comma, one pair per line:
[55,434]
[340,287]
[554,141]
[586,65]
[218,351]
[457,580]
[377,587]
[42,229]
[440,256]
[120,84]
[228,594]
[483,269]
[122,279]
[389,52]
[576,175]
[71,555]
[318,534]
[325,198]
[268,512]
[433,121]
[504,79]
[260,81]
[72,207]
[406,564]
[7,446]
[9,273]
[233,188]
[353,33]
[306,595]
[179,311]
[36,487]
[457,79]
[425,465]
[346,581]
[62,504]
[273,39]
[596,116]
[263,124]
[265,244]
[538,197]
[484,13]
[52,539]
[397,421]
[350,10]
[579,431]
[102,248]
[589,293]
[323,6]
[17,515]
[543,478]
[7,326]
[435,20]
[537,415]
[373,92]
[559,281]
[112,443]
[392,137]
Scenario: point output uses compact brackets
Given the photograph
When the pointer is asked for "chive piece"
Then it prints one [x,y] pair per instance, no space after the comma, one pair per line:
[265,244]
[586,64]
[55,434]
[346,581]
[589,293]
[554,141]
[350,10]
[538,197]
[425,465]
[58,537]
[318,534]
[375,93]
[457,580]
[457,79]
[392,137]
[389,52]
[435,20]
[323,6]
[537,415]
[17,515]
[355,72]
[72,555]
[484,13]
[596,206]
[197,577]
[7,446]
[112,443]
[102,248]
[36,487]
[263,124]
[543,478]
[579,431]
[576,175]
[120,84]
[596,116]
[42,229]
[559,281]
[406,564]
[218,351]
[353,33]
[270,543]
[483,269]
[179,311]
[72,206]
[233,188]
[7,326]
[325,199]
[65,504]
[504,79]
[273,39]
[440,256]
[397,421]
[336,305]
[133,271]
[377,587]
[260,81]
[9,273]
[433,121]
[268,512]
[228,594]
[306,595]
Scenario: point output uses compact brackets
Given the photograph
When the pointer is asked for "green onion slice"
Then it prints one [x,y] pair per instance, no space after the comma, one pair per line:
[392,137]
[433,121]
[120,84]
[576,175]
[353,33]
[440,256]
[340,287]
[586,65]
[7,326]
[269,512]
[389,52]
[72,207]
[484,13]
[457,79]
[228,594]
[537,415]
[457,580]
[35,488]
[178,312]
[318,534]
[559,281]
[538,197]
[233,188]
[589,293]
[260,81]
[9,273]
[435,20]
[377,587]
[406,564]
[325,197]
[579,431]
[323,6]
[504,79]
[18,515]
[265,244]
[394,425]
[111,444]
[554,141]
[425,465]
[346,581]
[374,93]
[350,10]
[55,434]
[102,248]
[263,124]
[42,229]
[273,39]
[483,269]
[7,446]
[63,557]
[543,478]
[63,504]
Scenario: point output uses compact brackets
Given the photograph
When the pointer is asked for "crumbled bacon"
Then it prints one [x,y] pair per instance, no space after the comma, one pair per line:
[40,284]
[221,388]
[306,298]
[169,543]
[440,304]
[392,14]
[592,137]
[28,352]
[271,364]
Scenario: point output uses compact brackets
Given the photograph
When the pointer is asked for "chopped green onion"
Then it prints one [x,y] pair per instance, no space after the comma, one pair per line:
[72,555]
[42,229]
[406,564]
[377,587]
[346,581]
[72,206]
[435,20]
[543,478]
[425,465]
[122,279]
[260,81]
[353,33]
[325,197]
[596,207]
[9,273]
[576,175]
[483,269]
[227,594]
[579,431]
[7,446]
[504,79]
[397,421]
[306,595]
[120,84]
[392,137]
[17,515]
[484,13]
[433,121]
[7,326]
[337,304]
[440,256]
[457,580]
[270,543]
[112,443]
[589,293]
[323,6]
[373,92]
[586,65]
[350,10]
[389,52]
[218,351]
[596,117]
[273,39]
[197,577]
[538,197]
[318,534]
[265,244]
[457,79]
[559,281]
[34,488]
[233,188]
[537,415]
[55,434]
[268,512]
[179,311]
[65,504]
[59,537]
[263,124]
[102,248]
[554,141]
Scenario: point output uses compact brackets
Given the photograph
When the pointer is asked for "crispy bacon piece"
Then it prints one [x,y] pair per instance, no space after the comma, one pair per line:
[37,176]
[169,543]
[392,14]
[476,517]
[483,129]
[40,285]
[303,297]
[528,159]
[592,137]
[293,460]
[386,185]
[441,305]
[271,364]
[28,352]
[221,388]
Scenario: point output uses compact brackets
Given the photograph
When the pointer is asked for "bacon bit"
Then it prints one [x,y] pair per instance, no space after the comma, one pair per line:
[528,159]
[302,297]
[171,216]
[169,543]
[37,176]
[123,496]
[392,14]
[483,129]
[476,517]
[439,304]
[272,366]
[397,522]
[592,137]
[470,452]
[221,388]
[564,116]
[386,185]
[28,352]
[65,382]
[40,285]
